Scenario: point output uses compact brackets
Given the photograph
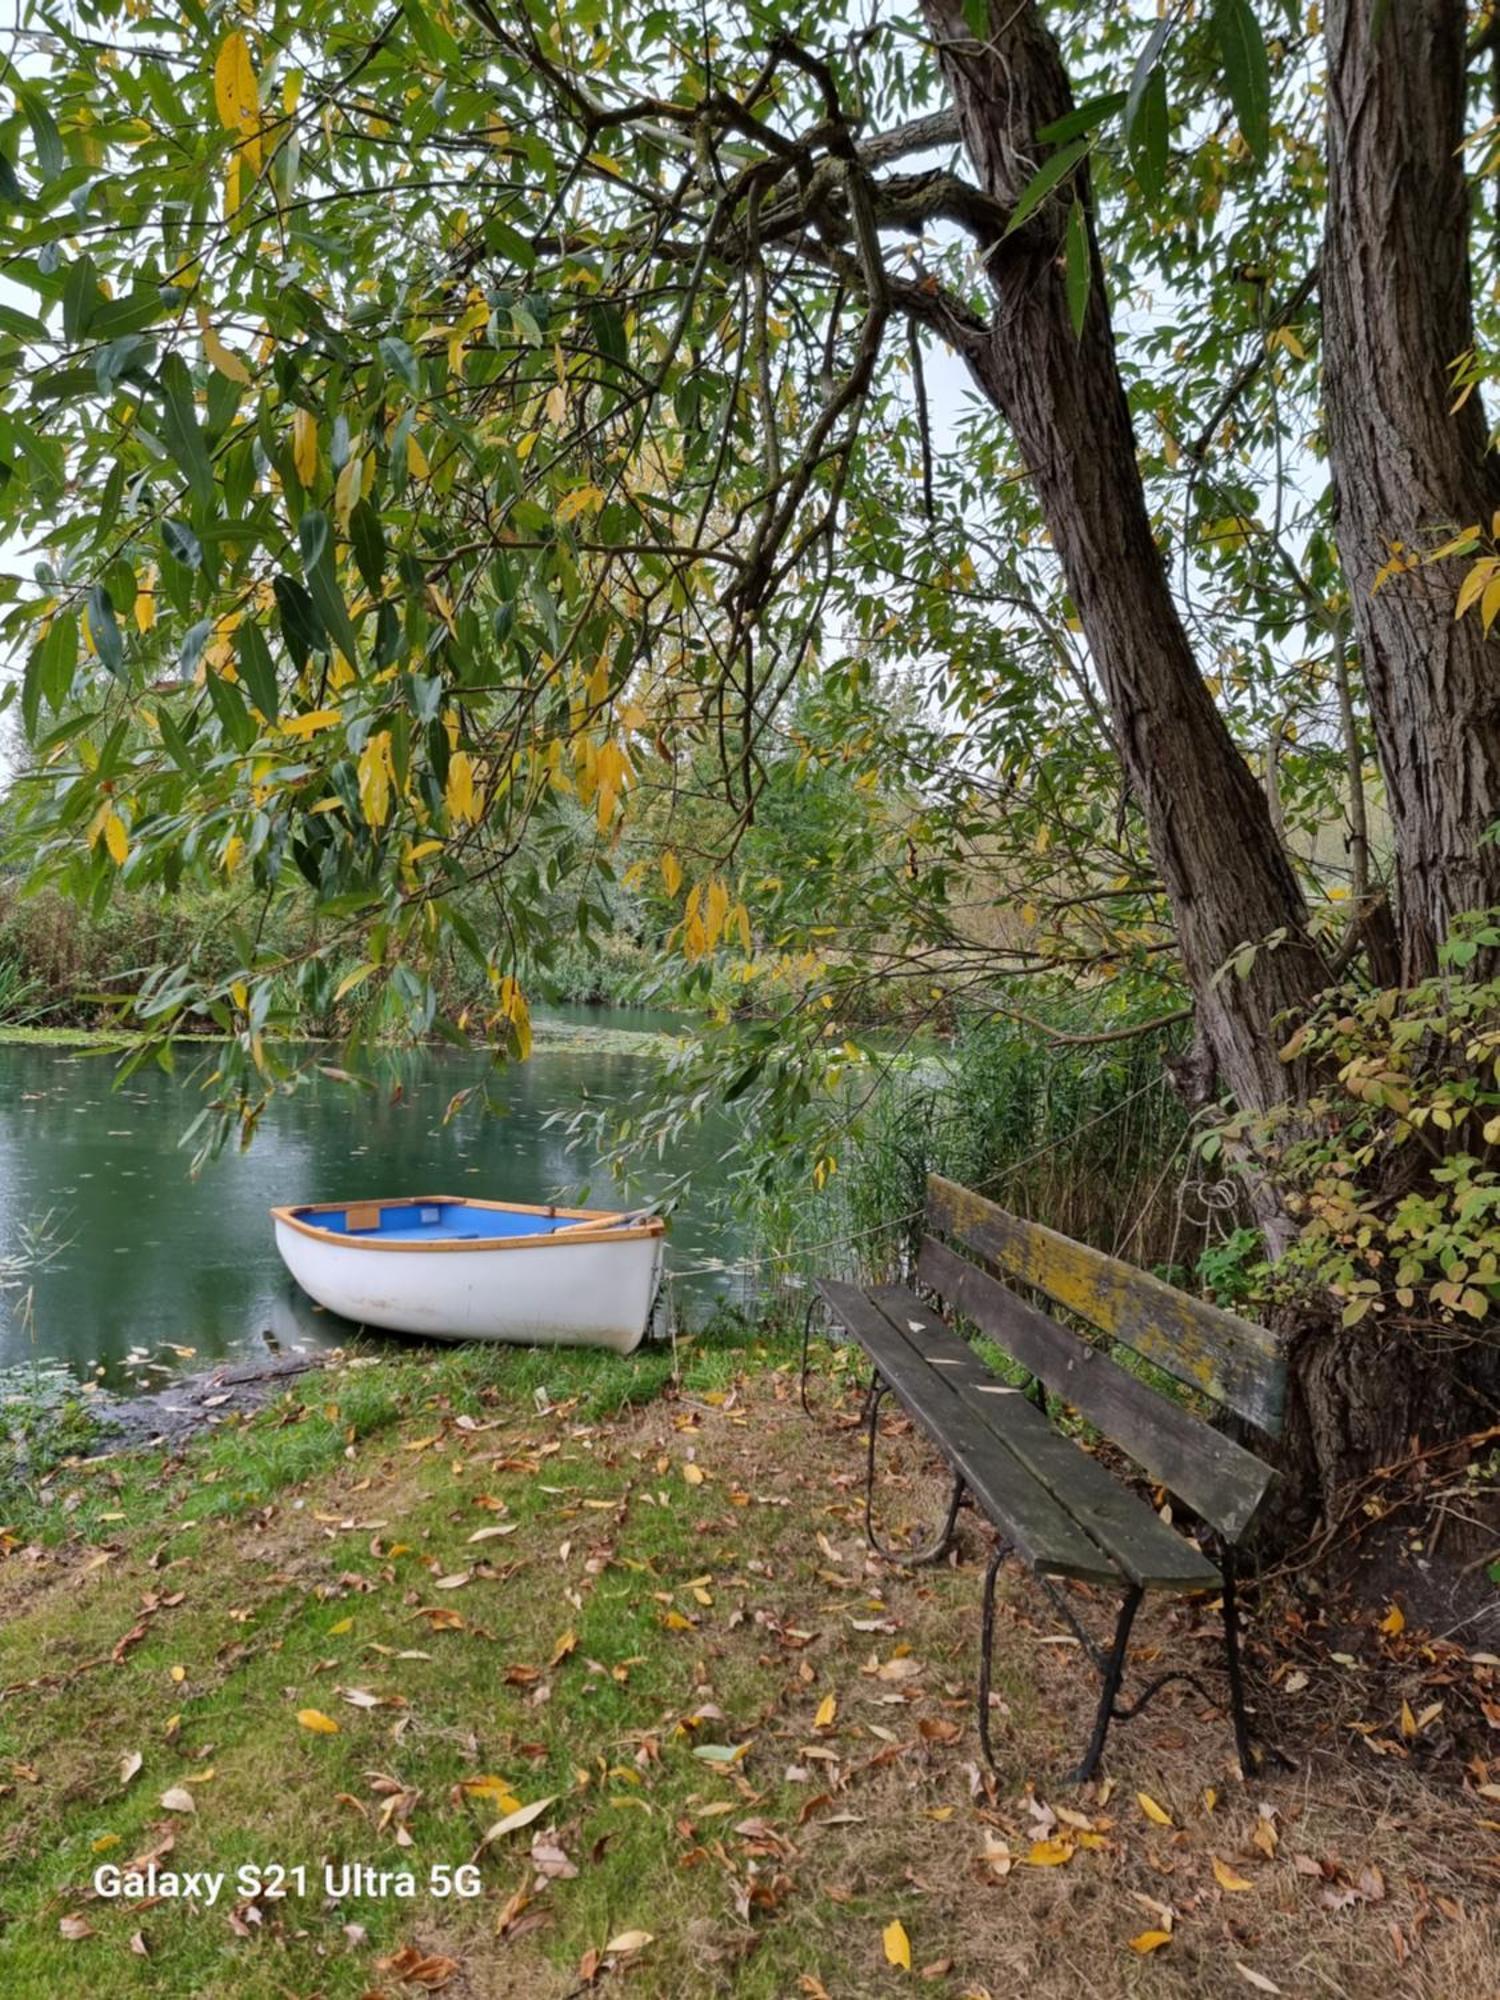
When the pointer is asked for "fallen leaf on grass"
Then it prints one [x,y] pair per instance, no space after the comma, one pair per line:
[1050,1853]
[1149,1941]
[74,1927]
[694,1474]
[897,1946]
[500,1528]
[130,1763]
[178,1799]
[630,1941]
[1226,1878]
[513,1821]
[828,1708]
[419,1968]
[1155,1813]
[564,1646]
[1256,1979]
[319,1723]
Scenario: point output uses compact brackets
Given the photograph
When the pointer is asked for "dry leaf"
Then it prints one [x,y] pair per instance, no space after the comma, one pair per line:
[897,1946]
[694,1474]
[522,1816]
[130,1763]
[1149,1941]
[1153,1811]
[1050,1853]
[564,1646]
[319,1723]
[178,1799]
[1256,1979]
[629,1941]
[1226,1878]
[828,1708]
[1394,1622]
[74,1927]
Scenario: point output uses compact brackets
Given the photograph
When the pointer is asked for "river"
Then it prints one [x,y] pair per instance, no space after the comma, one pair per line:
[154,1271]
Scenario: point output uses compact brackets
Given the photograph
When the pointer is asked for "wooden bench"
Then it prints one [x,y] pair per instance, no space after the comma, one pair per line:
[1055,1505]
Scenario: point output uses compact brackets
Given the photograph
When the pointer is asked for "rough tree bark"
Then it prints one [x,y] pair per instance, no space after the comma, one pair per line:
[1207,818]
[1402,464]
[1407,467]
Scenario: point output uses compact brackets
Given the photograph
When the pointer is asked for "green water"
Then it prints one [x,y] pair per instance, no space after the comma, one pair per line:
[152,1260]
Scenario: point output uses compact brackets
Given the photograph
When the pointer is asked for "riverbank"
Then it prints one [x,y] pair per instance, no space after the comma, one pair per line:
[595,1038]
[605,1632]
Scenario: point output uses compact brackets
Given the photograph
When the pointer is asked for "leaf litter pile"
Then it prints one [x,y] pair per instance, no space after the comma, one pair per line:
[636,1672]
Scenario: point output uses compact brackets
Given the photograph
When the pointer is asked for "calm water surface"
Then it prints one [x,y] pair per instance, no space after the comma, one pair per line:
[153,1260]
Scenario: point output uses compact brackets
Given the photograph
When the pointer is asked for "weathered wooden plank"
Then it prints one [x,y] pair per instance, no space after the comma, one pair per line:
[1149,1552]
[1218,1478]
[1045,1534]
[1228,1358]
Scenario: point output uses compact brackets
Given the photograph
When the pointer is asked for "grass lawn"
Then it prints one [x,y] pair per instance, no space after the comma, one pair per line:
[611,1639]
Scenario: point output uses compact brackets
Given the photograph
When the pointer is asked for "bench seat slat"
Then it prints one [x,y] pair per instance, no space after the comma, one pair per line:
[1144,1547]
[1042,1531]
[1217,1478]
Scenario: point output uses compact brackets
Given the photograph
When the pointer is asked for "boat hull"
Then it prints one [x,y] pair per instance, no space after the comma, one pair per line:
[570,1291]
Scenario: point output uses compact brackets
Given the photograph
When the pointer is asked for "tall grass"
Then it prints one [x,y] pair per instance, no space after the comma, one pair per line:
[1090,1140]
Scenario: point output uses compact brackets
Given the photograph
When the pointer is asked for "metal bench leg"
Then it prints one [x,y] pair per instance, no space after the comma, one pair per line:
[935,1549]
[1114,1673]
[986,1648]
[1231,1610]
[806,1339]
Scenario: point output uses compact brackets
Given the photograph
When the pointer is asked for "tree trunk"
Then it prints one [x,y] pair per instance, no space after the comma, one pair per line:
[1409,469]
[1224,871]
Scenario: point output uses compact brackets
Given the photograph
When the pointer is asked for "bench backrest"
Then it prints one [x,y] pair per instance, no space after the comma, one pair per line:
[1223,1357]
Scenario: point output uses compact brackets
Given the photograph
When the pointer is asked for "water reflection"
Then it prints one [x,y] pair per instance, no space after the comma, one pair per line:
[151,1256]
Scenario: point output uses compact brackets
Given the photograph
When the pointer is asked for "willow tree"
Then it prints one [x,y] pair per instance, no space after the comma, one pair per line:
[442,429]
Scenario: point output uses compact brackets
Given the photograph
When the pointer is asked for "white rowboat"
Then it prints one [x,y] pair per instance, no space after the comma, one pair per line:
[479,1270]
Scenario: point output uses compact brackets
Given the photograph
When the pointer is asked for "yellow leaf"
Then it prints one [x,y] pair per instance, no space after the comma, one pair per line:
[675,1622]
[305,446]
[319,1723]
[565,1645]
[1050,1853]
[344,1625]
[629,1941]
[310,722]
[416,458]
[584,500]
[828,1708]
[1226,1878]
[349,981]
[1408,1721]
[1473,585]
[375,774]
[693,1474]
[1149,1941]
[224,358]
[1394,1622]
[671,873]
[459,794]
[1152,1810]
[235,91]
[897,1946]
[116,839]
[145,605]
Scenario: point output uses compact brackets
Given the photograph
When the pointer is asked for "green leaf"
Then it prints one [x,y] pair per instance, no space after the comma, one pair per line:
[1146,137]
[316,538]
[1078,265]
[1044,180]
[367,538]
[1146,68]
[105,631]
[258,670]
[301,627]
[50,156]
[180,432]
[1085,117]
[182,543]
[1246,71]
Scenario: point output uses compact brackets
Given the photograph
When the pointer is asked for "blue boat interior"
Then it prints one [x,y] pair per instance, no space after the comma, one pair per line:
[432,1222]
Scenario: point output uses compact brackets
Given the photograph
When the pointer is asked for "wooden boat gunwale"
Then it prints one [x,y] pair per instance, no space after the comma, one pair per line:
[587,1225]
